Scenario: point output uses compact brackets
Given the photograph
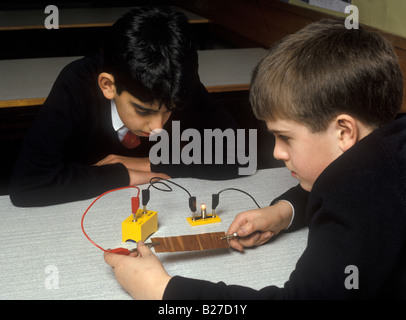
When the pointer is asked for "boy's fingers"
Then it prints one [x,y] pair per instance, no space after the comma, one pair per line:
[236,245]
[246,230]
[112,258]
[265,237]
[240,221]
[255,239]
[250,240]
[240,243]
[142,249]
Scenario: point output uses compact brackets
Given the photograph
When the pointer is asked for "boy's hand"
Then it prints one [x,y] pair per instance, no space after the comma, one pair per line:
[139,169]
[141,275]
[255,227]
[140,164]
[142,177]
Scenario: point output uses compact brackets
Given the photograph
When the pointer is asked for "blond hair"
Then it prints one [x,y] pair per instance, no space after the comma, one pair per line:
[324,70]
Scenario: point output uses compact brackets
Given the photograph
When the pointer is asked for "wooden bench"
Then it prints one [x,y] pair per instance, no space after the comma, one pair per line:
[73,18]
[80,30]
[27,82]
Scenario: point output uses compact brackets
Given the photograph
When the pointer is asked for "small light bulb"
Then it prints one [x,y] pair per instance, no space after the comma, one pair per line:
[203,211]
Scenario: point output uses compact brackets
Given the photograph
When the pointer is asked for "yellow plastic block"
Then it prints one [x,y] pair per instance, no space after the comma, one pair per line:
[199,222]
[141,229]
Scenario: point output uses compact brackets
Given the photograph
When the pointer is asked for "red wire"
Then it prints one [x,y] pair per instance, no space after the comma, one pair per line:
[103,194]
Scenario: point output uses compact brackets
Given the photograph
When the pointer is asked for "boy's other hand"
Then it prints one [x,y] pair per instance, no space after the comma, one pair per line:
[255,227]
[141,177]
[140,164]
[139,169]
[141,275]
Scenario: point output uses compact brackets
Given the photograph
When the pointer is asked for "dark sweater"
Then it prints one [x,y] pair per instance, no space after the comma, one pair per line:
[356,215]
[73,131]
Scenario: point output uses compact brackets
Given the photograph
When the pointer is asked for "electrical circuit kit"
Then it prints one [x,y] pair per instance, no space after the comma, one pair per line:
[142,223]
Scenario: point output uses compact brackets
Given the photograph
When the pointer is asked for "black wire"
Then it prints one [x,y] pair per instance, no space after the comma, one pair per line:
[152,184]
[235,189]
[169,189]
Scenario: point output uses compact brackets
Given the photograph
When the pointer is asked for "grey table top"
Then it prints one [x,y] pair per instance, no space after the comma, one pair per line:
[38,243]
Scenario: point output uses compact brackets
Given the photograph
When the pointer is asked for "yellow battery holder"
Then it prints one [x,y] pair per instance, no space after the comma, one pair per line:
[139,230]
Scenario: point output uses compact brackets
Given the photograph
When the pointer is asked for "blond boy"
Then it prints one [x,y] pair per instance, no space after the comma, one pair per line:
[330,97]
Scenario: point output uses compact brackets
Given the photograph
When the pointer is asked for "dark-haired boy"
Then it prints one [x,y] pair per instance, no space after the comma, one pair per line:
[330,97]
[78,146]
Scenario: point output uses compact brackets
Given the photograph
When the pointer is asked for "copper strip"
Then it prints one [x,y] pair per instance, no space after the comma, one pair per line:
[195,242]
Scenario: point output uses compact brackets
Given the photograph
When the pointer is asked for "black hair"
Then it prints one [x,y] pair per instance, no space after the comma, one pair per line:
[152,55]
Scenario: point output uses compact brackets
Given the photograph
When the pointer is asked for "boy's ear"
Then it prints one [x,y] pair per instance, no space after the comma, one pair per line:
[348,131]
[106,84]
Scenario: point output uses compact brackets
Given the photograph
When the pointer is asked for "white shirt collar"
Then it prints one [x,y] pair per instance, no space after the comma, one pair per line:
[115,118]
[116,121]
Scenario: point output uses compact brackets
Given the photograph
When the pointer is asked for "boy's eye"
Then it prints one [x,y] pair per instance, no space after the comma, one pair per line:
[283,138]
[142,113]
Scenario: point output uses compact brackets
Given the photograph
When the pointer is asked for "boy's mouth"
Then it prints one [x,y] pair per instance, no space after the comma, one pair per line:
[143,134]
[293,173]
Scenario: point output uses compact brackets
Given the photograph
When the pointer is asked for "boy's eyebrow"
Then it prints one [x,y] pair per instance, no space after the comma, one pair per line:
[278,131]
[141,108]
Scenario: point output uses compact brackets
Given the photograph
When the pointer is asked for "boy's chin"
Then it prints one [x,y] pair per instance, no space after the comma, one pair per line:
[306,186]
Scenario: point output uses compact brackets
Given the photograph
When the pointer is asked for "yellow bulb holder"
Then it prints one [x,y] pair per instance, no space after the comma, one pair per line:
[139,230]
[198,221]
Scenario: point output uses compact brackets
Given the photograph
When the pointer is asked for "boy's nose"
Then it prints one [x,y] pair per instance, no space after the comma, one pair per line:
[157,122]
[279,153]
